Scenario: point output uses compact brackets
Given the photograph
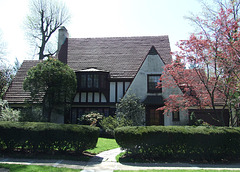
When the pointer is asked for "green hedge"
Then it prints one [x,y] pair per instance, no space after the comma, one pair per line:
[46,137]
[184,142]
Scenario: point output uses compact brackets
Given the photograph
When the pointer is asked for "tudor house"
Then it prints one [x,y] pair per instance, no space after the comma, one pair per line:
[107,69]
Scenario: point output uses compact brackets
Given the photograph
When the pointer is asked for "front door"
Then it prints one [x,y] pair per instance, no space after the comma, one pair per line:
[154,117]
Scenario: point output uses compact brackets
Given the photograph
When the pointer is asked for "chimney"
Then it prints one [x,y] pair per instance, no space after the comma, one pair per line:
[62,35]
[62,44]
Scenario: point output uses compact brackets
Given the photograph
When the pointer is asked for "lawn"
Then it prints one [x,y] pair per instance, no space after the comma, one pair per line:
[175,171]
[104,144]
[35,168]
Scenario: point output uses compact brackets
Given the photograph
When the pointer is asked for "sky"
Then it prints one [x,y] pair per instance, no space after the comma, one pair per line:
[102,18]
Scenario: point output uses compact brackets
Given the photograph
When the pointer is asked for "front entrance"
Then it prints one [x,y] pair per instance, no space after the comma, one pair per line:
[154,117]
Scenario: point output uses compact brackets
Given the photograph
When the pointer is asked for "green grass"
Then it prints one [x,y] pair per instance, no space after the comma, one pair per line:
[175,170]
[104,144]
[35,168]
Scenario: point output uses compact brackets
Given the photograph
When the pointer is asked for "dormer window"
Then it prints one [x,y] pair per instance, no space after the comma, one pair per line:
[92,79]
[153,81]
[89,81]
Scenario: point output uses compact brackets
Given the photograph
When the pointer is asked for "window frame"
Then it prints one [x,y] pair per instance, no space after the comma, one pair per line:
[174,118]
[156,90]
[91,81]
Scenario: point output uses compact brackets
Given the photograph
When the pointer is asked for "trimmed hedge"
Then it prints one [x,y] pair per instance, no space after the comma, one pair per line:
[46,137]
[181,142]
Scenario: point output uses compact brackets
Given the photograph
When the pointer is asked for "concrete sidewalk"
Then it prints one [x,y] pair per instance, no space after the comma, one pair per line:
[105,161]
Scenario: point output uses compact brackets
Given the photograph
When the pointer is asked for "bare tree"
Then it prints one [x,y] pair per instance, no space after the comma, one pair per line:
[45,17]
[2,49]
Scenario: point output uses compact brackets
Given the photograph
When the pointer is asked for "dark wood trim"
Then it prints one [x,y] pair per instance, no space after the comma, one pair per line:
[80,97]
[116,91]
[86,97]
[93,104]
[93,97]
[120,79]
[123,87]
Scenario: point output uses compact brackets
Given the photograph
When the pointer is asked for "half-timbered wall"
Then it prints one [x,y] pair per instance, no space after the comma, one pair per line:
[117,90]
[90,97]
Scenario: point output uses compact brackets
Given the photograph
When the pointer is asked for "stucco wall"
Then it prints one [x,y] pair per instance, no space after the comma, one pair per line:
[153,64]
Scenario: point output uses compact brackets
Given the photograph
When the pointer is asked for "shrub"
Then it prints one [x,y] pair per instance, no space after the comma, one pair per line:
[184,142]
[32,114]
[110,123]
[91,118]
[6,113]
[131,109]
[47,137]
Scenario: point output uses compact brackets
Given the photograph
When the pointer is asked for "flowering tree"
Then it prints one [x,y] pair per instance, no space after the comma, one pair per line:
[207,68]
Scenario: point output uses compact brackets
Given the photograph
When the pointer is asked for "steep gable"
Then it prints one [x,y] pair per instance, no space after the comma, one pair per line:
[152,65]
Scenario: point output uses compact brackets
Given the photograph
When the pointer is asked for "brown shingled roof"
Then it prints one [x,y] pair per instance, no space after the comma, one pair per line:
[15,93]
[121,56]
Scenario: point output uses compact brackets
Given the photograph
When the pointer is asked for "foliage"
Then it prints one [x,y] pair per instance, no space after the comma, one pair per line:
[46,137]
[6,113]
[32,114]
[131,109]
[44,19]
[53,83]
[104,144]
[194,121]
[213,76]
[180,142]
[91,118]
[110,123]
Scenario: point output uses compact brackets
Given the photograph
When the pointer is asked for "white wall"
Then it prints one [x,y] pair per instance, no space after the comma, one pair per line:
[154,65]
[112,91]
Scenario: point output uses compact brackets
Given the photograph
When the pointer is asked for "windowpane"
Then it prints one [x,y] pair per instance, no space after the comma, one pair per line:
[154,117]
[89,81]
[96,81]
[153,82]
[83,81]
[175,116]
[103,81]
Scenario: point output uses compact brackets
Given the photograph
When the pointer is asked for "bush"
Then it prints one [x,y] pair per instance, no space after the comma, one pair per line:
[47,137]
[6,113]
[91,118]
[110,123]
[180,142]
[131,109]
[32,114]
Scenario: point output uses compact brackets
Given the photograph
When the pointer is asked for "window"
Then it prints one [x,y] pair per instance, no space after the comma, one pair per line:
[83,81]
[153,81]
[175,116]
[95,81]
[154,117]
[89,81]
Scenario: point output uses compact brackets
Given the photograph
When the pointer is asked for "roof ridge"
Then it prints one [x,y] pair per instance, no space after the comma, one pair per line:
[122,37]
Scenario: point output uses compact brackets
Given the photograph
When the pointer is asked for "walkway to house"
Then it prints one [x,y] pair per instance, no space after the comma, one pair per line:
[105,161]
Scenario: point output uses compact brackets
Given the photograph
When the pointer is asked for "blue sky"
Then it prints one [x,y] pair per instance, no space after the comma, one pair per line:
[103,18]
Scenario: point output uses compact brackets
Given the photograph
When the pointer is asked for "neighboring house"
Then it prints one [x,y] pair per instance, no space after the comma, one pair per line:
[107,69]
